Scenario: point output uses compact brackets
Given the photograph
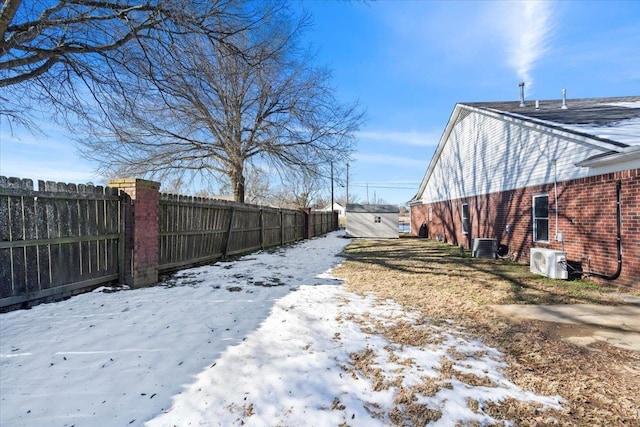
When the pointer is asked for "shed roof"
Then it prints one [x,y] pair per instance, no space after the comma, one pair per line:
[358,208]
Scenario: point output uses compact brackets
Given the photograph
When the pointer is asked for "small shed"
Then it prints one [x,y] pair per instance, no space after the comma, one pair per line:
[378,221]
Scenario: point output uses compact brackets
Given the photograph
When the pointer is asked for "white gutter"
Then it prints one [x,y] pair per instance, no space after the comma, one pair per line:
[624,155]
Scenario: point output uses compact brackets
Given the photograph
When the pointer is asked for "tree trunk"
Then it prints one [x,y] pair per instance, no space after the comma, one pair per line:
[237,181]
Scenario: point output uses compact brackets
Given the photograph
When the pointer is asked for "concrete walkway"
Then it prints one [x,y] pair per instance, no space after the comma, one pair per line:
[585,324]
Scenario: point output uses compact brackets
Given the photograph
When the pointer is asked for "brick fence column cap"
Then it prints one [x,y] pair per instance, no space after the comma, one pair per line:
[134,182]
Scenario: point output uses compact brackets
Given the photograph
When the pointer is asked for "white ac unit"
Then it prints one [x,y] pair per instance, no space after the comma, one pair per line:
[549,263]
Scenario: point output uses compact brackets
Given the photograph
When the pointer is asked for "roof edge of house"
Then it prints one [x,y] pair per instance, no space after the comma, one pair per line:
[617,149]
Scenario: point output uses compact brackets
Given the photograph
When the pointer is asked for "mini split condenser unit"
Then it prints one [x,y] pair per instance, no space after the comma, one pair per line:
[549,262]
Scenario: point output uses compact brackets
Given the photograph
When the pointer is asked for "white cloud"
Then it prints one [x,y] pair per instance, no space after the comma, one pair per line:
[27,139]
[51,170]
[386,159]
[491,37]
[526,28]
[423,139]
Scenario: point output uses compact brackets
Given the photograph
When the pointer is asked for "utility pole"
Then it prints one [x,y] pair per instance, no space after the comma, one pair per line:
[331,185]
[347,202]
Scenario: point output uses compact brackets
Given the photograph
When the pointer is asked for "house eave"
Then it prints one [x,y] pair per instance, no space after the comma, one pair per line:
[545,127]
[628,154]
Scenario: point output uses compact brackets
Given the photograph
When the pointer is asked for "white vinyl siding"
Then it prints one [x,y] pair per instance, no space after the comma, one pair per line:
[372,225]
[487,154]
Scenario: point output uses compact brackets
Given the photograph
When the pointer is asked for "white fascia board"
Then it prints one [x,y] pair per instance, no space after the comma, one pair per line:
[626,155]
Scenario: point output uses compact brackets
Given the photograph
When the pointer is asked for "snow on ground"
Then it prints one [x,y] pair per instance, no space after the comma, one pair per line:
[269,339]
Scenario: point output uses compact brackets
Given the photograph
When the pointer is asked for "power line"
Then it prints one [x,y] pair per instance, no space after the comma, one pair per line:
[385,186]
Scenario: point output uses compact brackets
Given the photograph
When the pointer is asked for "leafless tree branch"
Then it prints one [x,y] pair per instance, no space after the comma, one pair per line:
[44,44]
[207,108]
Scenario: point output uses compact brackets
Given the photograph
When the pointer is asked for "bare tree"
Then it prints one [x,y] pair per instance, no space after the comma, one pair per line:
[320,202]
[59,53]
[258,186]
[301,190]
[204,109]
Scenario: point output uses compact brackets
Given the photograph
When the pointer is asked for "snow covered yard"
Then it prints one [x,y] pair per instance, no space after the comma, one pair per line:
[270,339]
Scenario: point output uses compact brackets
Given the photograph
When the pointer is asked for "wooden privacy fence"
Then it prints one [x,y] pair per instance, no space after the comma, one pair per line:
[66,239]
[194,230]
[56,241]
[324,222]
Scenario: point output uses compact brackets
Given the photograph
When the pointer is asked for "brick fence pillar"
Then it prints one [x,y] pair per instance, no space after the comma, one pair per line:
[140,206]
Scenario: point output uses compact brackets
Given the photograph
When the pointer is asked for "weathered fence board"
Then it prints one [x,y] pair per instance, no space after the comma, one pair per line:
[191,230]
[57,240]
[324,222]
[64,239]
[194,230]
[244,232]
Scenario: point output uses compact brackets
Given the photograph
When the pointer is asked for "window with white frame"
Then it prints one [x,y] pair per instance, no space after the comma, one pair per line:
[430,214]
[541,218]
[465,218]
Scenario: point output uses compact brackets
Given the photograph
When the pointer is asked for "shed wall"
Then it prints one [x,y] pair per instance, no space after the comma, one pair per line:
[363,224]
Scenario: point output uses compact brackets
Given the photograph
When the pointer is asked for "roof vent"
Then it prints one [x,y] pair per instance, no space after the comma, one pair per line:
[521,85]
[564,99]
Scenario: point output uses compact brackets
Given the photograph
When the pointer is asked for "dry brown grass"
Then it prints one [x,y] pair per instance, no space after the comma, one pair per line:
[601,385]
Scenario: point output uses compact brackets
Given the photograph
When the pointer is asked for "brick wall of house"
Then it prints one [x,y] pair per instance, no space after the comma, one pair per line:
[586,217]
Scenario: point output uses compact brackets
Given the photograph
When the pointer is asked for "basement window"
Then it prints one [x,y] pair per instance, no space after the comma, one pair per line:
[541,218]
[465,218]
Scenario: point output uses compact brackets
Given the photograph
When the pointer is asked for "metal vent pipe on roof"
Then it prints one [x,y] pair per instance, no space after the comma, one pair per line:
[521,85]
[564,99]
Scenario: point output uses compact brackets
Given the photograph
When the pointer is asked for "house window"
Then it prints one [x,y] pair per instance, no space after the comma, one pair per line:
[541,218]
[378,219]
[430,214]
[465,218]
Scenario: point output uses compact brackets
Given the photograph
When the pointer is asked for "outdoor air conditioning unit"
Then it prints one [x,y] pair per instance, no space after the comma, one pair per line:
[484,248]
[549,263]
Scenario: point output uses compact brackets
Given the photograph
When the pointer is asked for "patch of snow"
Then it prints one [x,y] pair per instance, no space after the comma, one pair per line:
[624,131]
[627,104]
[267,339]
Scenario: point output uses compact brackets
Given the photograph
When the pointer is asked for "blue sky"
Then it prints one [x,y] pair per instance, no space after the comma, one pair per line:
[408,63]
